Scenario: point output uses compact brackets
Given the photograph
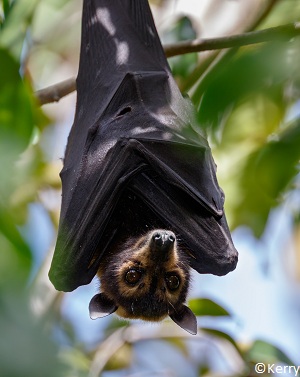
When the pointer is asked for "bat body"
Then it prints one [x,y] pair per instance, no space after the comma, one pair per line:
[136,160]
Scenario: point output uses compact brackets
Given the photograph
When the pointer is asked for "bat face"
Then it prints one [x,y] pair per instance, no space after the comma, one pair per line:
[146,278]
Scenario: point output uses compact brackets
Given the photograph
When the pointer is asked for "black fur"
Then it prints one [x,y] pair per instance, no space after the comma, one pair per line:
[136,160]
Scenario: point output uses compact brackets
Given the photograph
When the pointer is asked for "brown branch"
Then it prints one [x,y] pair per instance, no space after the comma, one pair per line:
[280,33]
[220,56]
[55,92]
[215,58]
[131,335]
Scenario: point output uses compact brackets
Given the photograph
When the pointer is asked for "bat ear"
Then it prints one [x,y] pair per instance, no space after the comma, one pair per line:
[101,306]
[186,319]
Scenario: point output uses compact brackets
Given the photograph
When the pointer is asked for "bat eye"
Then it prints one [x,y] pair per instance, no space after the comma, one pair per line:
[172,282]
[133,276]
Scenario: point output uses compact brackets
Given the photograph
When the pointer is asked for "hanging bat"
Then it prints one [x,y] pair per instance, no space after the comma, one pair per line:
[141,204]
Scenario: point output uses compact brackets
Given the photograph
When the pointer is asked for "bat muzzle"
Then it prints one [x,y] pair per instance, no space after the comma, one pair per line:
[162,243]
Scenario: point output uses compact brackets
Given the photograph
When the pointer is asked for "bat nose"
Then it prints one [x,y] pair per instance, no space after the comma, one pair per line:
[163,239]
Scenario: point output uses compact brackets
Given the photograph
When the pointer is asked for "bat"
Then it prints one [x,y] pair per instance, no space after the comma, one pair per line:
[137,166]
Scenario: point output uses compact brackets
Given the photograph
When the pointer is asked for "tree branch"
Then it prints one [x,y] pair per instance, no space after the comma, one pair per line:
[280,33]
[55,92]
[213,59]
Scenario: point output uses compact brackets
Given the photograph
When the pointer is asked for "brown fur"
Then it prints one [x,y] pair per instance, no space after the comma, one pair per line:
[150,299]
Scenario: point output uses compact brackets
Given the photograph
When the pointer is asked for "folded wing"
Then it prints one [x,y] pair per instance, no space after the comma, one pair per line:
[134,136]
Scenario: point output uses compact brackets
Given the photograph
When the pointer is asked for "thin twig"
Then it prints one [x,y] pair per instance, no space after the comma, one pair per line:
[55,92]
[131,335]
[216,57]
[280,33]
[221,56]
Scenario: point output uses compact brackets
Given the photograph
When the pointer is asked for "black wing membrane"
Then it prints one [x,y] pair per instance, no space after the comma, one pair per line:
[135,157]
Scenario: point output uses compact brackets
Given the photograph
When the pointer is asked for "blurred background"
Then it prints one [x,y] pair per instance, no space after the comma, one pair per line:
[248,101]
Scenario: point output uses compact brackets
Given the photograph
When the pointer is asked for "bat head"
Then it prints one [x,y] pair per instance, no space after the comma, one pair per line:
[146,278]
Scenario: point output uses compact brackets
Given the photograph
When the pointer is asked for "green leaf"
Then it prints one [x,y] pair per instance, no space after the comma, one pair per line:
[4,11]
[267,174]
[15,107]
[9,230]
[261,70]
[224,336]
[277,161]
[15,256]
[181,65]
[121,359]
[25,347]
[244,105]
[14,28]
[207,307]
[76,359]
[264,352]
[182,30]
[17,117]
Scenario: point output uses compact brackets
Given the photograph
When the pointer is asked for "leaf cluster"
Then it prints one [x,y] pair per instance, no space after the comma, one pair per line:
[247,100]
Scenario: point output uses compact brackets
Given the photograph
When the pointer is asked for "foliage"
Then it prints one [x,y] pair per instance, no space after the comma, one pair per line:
[249,97]
[248,103]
